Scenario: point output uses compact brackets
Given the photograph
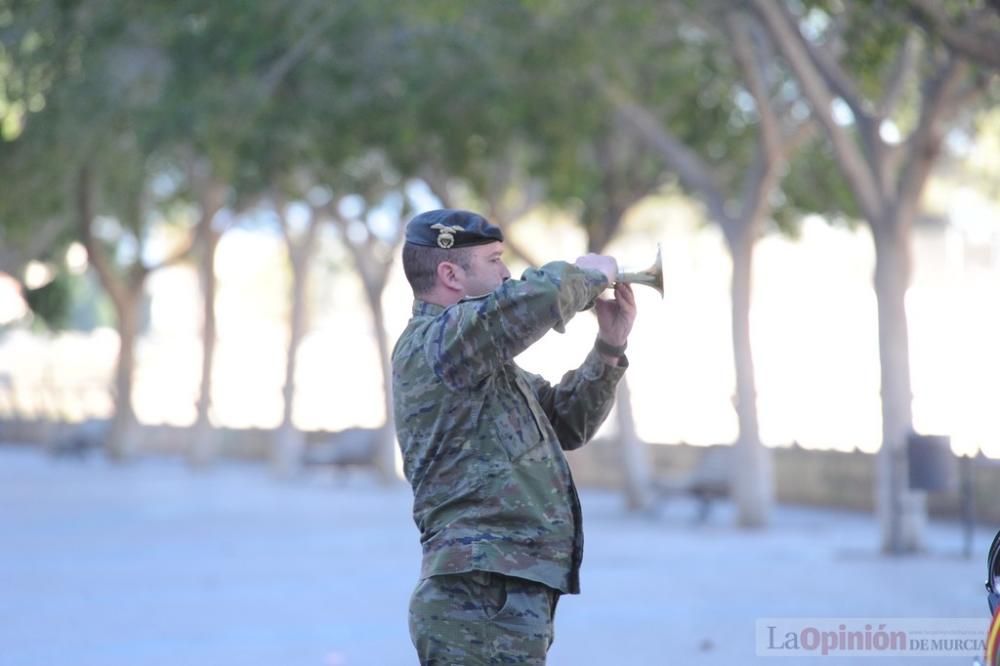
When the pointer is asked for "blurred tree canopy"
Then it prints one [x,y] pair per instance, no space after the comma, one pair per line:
[262,94]
[129,126]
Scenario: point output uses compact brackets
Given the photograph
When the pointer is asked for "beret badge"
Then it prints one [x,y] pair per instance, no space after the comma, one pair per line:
[446,234]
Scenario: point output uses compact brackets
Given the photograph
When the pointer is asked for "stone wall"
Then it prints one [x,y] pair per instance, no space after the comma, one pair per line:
[817,478]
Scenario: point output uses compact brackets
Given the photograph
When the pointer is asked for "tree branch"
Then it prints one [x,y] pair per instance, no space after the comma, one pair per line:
[211,198]
[510,244]
[13,260]
[395,242]
[308,40]
[518,251]
[743,53]
[798,135]
[760,180]
[837,81]
[361,256]
[278,204]
[841,85]
[902,69]
[499,181]
[978,45]
[179,255]
[692,172]
[100,261]
[941,99]
[764,175]
[859,171]
[437,183]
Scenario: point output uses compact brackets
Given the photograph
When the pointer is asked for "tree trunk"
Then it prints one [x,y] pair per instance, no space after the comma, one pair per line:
[286,456]
[636,464]
[204,442]
[902,513]
[126,298]
[753,471]
[289,442]
[635,457]
[372,267]
[123,435]
[385,457]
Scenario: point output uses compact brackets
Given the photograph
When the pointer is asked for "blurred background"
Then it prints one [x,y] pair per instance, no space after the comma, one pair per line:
[201,215]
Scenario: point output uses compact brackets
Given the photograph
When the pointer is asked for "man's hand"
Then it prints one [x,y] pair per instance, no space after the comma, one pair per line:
[600,262]
[615,316]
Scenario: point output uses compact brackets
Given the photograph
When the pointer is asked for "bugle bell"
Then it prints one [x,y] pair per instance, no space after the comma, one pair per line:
[651,277]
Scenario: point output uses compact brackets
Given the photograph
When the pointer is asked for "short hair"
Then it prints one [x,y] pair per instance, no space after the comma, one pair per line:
[420,264]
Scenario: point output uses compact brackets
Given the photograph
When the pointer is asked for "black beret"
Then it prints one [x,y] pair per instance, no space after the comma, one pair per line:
[447,228]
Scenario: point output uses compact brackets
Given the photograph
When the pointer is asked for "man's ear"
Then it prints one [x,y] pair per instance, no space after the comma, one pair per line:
[448,275]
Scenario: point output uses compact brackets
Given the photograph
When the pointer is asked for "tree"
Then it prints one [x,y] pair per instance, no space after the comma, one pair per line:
[94,63]
[163,87]
[203,448]
[316,139]
[300,242]
[864,97]
[117,207]
[623,176]
[370,221]
[125,283]
[729,149]
[247,78]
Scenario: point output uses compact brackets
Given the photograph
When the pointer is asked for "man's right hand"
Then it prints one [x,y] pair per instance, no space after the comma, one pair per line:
[602,263]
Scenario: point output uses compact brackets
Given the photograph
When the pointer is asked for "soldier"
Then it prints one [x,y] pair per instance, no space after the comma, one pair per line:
[483,440]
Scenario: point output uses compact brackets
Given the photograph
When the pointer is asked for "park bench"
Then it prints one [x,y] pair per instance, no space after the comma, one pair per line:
[709,481]
[78,440]
[353,447]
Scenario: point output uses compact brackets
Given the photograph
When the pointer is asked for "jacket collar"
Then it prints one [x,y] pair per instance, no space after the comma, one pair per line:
[425,309]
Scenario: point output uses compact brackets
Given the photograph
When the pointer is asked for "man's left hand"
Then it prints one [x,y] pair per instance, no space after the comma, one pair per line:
[615,316]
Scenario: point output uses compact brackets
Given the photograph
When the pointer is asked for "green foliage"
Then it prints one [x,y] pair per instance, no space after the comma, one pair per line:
[276,97]
[516,84]
[673,60]
[869,32]
[51,303]
[143,93]
[814,184]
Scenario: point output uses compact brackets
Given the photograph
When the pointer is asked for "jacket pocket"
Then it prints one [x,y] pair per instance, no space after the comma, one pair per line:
[517,428]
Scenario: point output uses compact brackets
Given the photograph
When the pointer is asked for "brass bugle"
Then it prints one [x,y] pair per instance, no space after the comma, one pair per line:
[651,277]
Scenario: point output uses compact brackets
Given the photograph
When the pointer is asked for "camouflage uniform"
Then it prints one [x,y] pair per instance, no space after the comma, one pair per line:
[482,444]
[481,617]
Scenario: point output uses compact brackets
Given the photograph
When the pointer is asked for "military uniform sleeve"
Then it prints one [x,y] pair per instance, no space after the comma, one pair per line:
[579,403]
[470,340]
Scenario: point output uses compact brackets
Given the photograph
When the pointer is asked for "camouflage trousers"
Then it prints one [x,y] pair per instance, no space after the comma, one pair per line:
[481,617]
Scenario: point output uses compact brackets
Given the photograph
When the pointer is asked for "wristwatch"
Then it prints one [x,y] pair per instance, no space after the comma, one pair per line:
[609,349]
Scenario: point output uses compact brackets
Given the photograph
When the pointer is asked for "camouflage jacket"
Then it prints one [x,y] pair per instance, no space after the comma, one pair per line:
[482,440]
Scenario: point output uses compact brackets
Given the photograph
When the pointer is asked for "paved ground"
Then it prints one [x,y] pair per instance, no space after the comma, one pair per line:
[149,564]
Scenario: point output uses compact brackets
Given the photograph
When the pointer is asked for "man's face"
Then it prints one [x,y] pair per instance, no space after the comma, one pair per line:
[486,269]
